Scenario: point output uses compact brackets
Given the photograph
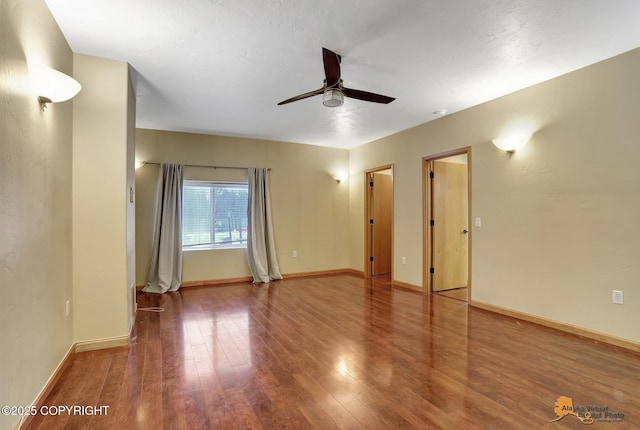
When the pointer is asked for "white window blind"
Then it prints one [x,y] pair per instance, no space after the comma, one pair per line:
[214,215]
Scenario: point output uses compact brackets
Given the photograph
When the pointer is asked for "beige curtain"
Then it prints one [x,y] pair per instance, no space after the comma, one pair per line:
[165,273]
[261,250]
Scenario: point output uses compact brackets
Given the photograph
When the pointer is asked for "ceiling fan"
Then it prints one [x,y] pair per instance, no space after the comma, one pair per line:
[333,91]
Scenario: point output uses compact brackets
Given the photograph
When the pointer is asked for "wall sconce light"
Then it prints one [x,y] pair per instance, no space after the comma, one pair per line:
[340,176]
[512,143]
[52,86]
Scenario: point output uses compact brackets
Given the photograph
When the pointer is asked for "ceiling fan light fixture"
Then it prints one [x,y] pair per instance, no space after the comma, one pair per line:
[333,97]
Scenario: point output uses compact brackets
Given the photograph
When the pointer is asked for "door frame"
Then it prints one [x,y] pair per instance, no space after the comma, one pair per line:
[427,203]
[367,217]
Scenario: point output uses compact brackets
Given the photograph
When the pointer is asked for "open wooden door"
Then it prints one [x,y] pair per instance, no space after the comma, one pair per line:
[379,219]
[449,225]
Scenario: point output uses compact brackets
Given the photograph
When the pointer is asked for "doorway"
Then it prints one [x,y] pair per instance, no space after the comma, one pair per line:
[379,221]
[446,224]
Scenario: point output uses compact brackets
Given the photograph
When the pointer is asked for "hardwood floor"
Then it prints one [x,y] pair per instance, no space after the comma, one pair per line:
[339,352]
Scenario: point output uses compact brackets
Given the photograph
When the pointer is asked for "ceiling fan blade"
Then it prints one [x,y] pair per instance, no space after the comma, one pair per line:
[331,67]
[367,96]
[302,96]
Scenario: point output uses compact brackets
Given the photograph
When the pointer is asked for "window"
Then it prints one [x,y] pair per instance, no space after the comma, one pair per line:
[214,215]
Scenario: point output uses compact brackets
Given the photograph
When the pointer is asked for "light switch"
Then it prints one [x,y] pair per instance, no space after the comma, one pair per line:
[478,222]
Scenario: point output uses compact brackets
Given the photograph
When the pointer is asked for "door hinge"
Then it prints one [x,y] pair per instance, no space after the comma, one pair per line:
[370,258]
[432,270]
[432,223]
[371,184]
[431,175]
[370,221]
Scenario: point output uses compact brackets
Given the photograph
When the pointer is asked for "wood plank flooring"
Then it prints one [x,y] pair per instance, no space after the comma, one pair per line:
[339,352]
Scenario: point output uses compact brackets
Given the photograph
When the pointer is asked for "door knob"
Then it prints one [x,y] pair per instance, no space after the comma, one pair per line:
[465,231]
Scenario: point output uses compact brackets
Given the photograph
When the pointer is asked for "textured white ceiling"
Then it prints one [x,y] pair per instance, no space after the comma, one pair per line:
[221,66]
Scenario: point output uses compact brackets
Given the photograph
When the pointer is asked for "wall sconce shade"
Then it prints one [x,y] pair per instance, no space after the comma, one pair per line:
[511,144]
[333,97]
[51,85]
[339,177]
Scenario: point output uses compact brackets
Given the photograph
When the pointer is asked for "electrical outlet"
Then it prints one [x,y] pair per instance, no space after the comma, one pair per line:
[294,254]
[67,308]
[616,296]
[404,260]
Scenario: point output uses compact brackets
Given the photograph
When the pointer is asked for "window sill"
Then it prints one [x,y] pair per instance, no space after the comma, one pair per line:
[213,248]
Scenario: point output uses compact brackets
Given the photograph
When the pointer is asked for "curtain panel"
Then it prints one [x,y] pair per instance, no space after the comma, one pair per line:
[165,273]
[261,250]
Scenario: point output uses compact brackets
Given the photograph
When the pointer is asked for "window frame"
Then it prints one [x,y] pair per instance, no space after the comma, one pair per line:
[212,184]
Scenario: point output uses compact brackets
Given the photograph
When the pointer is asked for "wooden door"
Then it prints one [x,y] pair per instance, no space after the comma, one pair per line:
[450,229]
[381,200]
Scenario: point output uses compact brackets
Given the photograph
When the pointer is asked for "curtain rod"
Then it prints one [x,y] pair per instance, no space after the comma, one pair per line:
[200,165]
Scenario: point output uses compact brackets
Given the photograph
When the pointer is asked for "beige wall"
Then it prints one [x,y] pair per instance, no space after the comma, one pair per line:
[310,209]
[101,199]
[560,218]
[35,207]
